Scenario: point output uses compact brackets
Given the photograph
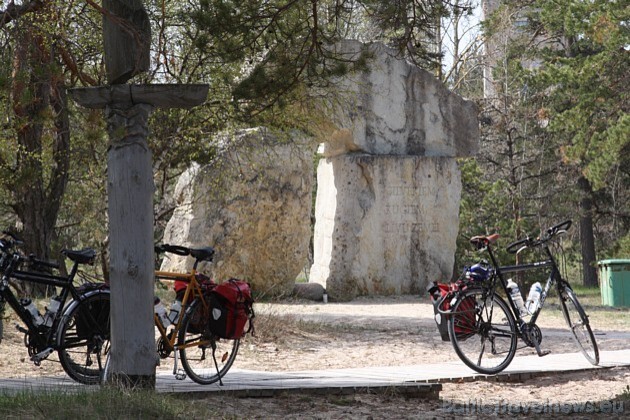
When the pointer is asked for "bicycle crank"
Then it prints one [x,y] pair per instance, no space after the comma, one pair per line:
[533,337]
[37,358]
[164,348]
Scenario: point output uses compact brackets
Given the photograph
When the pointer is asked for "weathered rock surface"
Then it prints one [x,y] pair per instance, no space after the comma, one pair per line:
[309,291]
[397,108]
[253,204]
[387,209]
[384,224]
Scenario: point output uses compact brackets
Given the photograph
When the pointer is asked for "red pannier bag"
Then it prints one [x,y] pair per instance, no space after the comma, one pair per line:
[231,309]
[205,283]
[441,296]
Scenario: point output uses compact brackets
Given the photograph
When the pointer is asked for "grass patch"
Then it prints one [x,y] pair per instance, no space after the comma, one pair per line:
[106,403]
[342,401]
[588,296]
[600,316]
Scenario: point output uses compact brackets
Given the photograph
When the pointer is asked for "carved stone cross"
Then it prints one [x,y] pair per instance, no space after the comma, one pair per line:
[130,185]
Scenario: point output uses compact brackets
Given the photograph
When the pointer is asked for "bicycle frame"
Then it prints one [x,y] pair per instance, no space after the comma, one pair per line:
[45,343]
[481,285]
[193,290]
[191,336]
[554,277]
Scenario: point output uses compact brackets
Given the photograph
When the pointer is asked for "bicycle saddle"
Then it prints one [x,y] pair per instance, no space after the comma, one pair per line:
[202,254]
[482,241]
[82,256]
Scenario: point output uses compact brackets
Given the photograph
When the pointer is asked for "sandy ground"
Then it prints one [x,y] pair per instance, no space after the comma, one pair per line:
[387,332]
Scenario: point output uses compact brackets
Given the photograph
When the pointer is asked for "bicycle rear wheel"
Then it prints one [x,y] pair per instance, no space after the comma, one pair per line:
[205,357]
[578,324]
[483,331]
[84,338]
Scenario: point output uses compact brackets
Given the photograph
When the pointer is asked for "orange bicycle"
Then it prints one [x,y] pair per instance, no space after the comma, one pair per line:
[205,357]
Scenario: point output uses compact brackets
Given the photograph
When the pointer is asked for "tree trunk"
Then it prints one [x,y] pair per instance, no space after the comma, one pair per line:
[130,210]
[38,190]
[587,239]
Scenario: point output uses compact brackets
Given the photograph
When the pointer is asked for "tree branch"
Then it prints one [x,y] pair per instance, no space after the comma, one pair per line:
[13,12]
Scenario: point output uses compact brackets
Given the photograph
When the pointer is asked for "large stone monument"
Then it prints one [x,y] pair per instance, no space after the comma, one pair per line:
[389,187]
[253,205]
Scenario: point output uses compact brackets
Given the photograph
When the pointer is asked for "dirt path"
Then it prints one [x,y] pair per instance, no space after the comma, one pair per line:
[401,331]
[388,332]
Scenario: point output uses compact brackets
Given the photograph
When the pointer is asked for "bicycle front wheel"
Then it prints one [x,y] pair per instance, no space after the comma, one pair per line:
[84,338]
[578,324]
[483,331]
[205,357]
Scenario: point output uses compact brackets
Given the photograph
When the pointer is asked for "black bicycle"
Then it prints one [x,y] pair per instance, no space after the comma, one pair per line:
[484,328]
[76,322]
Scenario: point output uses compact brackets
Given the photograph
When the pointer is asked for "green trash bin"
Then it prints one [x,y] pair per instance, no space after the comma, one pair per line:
[614,282]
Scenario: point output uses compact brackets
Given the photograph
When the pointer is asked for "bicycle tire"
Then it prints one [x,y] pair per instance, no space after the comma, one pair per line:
[84,338]
[477,320]
[578,323]
[2,317]
[197,363]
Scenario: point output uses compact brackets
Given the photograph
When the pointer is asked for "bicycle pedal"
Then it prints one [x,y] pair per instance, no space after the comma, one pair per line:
[542,353]
[37,358]
[180,375]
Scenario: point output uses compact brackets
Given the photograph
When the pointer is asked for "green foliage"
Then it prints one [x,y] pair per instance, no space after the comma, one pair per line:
[278,47]
[619,249]
[105,403]
[561,113]
[484,210]
[586,82]
[587,103]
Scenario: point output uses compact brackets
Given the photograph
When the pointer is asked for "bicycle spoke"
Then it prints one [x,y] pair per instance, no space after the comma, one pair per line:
[487,318]
[202,366]
[84,339]
[579,325]
[483,348]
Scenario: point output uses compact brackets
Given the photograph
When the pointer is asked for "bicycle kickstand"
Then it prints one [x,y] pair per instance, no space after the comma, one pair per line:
[180,374]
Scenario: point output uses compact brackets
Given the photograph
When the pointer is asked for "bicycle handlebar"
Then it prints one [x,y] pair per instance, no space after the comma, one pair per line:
[514,247]
[173,249]
[9,241]
[558,229]
[528,242]
[8,253]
